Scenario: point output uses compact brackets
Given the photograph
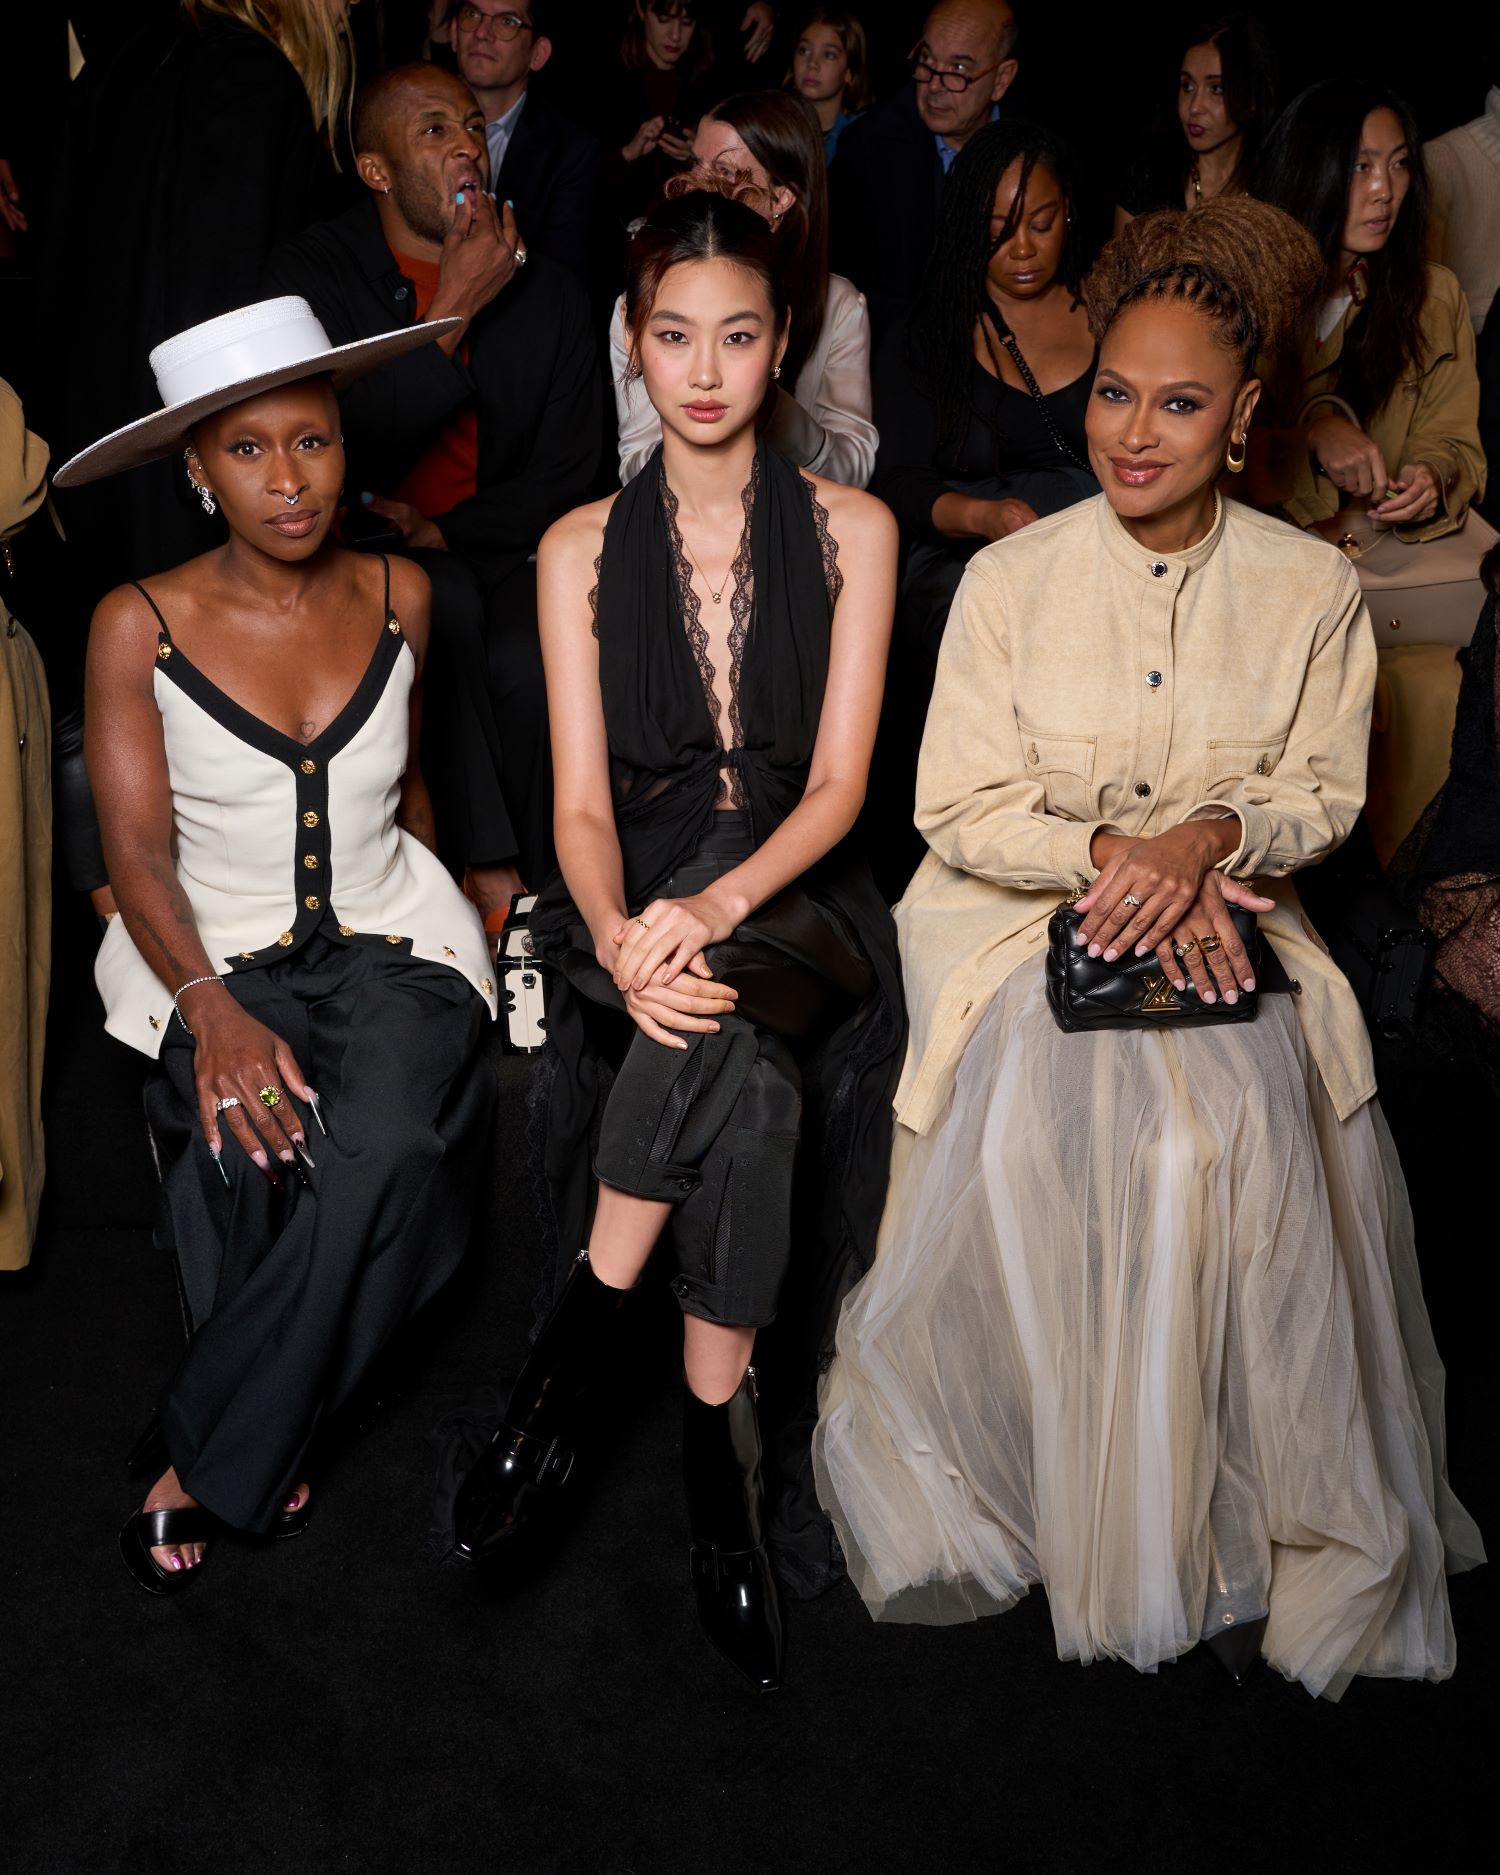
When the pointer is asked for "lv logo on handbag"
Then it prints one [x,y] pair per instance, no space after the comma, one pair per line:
[1159,999]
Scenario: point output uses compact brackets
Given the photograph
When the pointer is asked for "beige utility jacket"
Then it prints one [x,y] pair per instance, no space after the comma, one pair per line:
[1433,417]
[1087,683]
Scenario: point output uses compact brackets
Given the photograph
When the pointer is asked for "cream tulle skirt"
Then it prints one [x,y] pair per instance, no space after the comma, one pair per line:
[1145,1326]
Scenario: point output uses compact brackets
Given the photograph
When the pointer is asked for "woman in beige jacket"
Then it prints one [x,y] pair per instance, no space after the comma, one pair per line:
[1384,413]
[1144,1324]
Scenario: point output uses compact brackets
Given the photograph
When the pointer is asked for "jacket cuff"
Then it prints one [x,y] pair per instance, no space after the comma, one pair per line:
[1070,851]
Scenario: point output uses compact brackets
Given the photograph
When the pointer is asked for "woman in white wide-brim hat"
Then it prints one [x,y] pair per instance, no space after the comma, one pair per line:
[309,979]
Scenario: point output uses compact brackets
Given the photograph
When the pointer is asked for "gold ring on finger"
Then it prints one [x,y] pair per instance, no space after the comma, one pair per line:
[1208,945]
[642,923]
[270,1096]
[1185,950]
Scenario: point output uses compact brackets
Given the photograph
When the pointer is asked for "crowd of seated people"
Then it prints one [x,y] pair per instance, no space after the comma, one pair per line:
[933,240]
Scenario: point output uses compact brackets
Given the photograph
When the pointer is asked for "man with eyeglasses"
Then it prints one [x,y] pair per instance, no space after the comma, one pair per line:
[887,181]
[546,165]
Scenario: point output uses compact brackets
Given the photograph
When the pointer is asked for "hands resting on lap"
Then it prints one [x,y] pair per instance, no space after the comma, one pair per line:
[1164,894]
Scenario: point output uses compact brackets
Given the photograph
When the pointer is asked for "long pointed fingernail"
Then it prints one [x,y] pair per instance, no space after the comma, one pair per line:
[176,1562]
[312,1101]
[218,1160]
[301,1144]
[288,1157]
[260,1159]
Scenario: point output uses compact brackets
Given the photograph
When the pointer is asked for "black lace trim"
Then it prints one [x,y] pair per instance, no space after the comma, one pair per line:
[741,605]
[594,590]
[692,622]
[833,579]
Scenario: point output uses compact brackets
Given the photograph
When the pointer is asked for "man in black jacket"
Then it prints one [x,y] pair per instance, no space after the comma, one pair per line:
[472,447]
[546,166]
[892,164]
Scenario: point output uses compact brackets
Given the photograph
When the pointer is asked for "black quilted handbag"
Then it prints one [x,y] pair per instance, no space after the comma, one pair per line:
[1085,992]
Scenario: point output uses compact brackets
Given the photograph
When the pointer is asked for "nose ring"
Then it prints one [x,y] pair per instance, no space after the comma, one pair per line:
[292,500]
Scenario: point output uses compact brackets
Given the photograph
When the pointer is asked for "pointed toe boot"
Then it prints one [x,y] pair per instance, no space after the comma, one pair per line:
[1237,1649]
[519,1477]
[738,1604]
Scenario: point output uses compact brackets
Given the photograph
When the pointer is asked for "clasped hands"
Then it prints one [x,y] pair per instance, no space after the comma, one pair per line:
[1353,462]
[1178,900]
[657,962]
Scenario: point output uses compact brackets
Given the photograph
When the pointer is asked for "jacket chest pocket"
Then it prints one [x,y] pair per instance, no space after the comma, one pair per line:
[1064,766]
[1231,761]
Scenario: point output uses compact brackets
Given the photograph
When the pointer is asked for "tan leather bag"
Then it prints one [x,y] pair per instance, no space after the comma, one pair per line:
[1419,592]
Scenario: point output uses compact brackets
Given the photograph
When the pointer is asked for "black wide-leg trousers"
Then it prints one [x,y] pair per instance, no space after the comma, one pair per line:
[293,1295]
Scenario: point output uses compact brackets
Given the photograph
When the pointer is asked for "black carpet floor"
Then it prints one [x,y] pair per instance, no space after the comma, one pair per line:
[342,1704]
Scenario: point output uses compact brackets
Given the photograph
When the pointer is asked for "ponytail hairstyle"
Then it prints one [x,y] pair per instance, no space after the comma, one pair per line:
[696,223]
[859,93]
[1306,169]
[782,134]
[954,287]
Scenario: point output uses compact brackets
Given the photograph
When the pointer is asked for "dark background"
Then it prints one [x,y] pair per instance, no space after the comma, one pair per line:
[344,1704]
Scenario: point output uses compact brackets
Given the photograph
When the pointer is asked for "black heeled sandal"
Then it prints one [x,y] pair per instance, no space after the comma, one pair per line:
[288,1523]
[147,1530]
[1237,1648]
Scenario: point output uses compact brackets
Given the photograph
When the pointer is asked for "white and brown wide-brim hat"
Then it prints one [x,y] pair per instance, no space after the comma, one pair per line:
[224,361]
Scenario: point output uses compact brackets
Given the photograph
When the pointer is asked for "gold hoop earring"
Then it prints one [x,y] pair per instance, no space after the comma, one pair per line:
[1234,463]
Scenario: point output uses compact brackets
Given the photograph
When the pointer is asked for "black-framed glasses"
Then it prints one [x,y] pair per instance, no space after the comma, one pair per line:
[923,72]
[474,19]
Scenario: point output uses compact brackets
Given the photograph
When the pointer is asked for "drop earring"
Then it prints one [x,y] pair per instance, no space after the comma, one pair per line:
[210,506]
[1234,463]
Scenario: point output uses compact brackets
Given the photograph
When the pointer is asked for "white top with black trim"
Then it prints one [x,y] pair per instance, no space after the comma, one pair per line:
[276,839]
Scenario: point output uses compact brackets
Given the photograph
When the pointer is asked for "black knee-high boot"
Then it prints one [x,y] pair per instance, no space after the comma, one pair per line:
[737,1600]
[519,1475]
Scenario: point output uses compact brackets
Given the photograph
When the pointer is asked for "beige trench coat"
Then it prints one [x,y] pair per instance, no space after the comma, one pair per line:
[25,863]
[1433,417]
[1085,683]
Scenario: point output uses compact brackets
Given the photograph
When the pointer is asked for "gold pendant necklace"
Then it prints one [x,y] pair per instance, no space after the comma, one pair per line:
[715,596]
[1197,183]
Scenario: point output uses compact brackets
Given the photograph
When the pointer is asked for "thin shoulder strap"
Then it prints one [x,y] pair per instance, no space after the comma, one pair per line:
[154,607]
[386,612]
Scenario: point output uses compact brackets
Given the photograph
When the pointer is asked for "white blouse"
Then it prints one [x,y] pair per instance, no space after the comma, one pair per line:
[824,425]
[276,840]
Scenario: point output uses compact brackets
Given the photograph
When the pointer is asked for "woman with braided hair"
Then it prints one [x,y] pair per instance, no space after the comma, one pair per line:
[979,401]
[1144,1323]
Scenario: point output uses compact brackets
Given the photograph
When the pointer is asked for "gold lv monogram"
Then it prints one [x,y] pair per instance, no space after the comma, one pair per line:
[1159,1000]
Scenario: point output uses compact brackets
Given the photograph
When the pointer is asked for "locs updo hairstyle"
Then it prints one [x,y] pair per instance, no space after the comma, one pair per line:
[941,348]
[697,223]
[1306,168]
[1247,267]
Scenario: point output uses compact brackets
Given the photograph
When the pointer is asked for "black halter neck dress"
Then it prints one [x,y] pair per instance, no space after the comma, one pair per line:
[772,1137]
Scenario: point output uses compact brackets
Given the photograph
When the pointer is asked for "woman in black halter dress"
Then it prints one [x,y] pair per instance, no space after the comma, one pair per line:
[726,1024]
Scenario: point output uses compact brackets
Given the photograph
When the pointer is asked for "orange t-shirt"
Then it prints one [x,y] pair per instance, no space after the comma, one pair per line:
[447,471]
